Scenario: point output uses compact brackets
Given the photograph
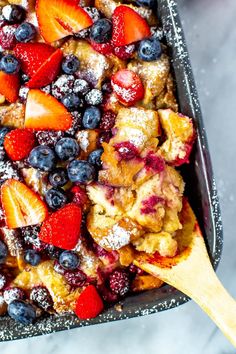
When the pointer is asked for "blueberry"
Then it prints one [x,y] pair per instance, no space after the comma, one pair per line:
[13,13]
[22,312]
[67,148]
[101,31]
[81,87]
[71,101]
[58,177]
[3,252]
[32,257]
[94,97]
[25,32]
[9,64]
[149,49]
[70,64]
[3,133]
[55,198]
[91,117]
[146,3]
[2,153]
[81,171]
[95,157]
[43,158]
[69,260]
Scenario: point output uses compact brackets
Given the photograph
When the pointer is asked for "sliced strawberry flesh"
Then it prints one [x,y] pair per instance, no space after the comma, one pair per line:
[22,206]
[9,86]
[48,71]
[44,112]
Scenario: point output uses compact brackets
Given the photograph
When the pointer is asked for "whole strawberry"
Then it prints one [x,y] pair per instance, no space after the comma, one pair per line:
[89,304]
[62,228]
[18,143]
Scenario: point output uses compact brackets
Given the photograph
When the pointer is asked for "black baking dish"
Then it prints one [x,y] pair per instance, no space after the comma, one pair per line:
[200,189]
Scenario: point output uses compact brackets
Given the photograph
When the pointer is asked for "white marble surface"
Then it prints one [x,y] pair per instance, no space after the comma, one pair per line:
[210,31]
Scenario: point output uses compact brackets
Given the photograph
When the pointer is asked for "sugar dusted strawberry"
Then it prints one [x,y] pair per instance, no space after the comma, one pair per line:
[103,48]
[124,52]
[127,86]
[62,228]
[22,207]
[45,112]
[128,26]
[47,72]
[9,86]
[18,143]
[89,304]
[32,56]
[62,18]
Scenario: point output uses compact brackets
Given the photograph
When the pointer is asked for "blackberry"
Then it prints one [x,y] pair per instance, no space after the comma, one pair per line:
[93,13]
[81,87]
[13,293]
[41,297]
[107,121]
[119,282]
[3,281]
[49,137]
[30,235]
[76,123]
[77,278]
[7,171]
[94,97]
[63,86]
[104,137]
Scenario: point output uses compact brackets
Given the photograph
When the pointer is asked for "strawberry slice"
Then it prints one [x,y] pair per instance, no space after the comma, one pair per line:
[18,143]
[22,207]
[47,72]
[128,26]
[32,56]
[103,48]
[89,304]
[62,228]
[127,86]
[9,86]
[60,18]
[45,112]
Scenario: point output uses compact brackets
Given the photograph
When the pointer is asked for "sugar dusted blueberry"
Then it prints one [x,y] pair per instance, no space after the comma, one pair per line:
[13,13]
[94,97]
[3,252]
[32,257]
[25,32]
[22,312]
[13,293]
[91,117]
[41,297]
[95,157]
[70,64]
[72,101]
[81,87]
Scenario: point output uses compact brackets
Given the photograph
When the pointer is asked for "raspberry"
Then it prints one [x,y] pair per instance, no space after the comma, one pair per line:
[119,282]
[108,120]
[49,137]
[63,86]
[7,36]
[124,52]
[135,270]
[126,150]
[11,294]
[106,87]
[41,297]
[108,295]
[30,235]
[103,48]
[77,278]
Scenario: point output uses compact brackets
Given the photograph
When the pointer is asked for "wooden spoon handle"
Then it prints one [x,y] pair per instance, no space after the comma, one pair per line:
[195,277]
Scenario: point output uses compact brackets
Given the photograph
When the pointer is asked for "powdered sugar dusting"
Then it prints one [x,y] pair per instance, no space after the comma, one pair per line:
[116,238]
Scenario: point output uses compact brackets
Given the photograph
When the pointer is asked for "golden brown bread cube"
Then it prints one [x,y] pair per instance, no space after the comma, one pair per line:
[154,76]
[36,180]
[13,115]
[167,99]
[180,134]
[94,65]
[145,282]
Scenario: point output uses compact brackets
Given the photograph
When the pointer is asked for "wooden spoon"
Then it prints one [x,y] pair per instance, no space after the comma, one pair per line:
[191,272]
